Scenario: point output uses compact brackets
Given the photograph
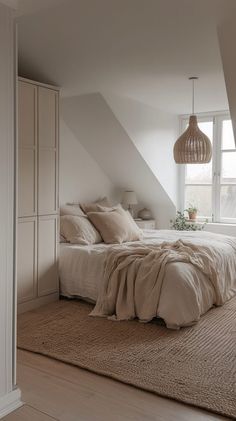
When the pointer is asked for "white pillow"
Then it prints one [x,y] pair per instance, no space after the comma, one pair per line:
[79,230]
[71,209]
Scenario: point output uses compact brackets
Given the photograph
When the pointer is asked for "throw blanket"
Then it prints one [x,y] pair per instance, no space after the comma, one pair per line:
[134,275]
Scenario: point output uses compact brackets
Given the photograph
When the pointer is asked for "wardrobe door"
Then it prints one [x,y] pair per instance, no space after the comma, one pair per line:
[27,259]
[47,255]
[47,151]
[27,150]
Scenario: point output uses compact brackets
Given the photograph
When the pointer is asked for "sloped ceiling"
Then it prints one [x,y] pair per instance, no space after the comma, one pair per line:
[108,143]
[144,50]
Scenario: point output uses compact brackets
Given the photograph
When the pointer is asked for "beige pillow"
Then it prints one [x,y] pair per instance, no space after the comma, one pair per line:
[62,239]
[79,230]
[95,207]
[71,210]
[108,208]
[115,226]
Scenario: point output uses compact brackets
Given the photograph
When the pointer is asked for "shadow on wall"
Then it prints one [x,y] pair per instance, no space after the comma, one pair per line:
[81,178]
[96,128]
[154,133]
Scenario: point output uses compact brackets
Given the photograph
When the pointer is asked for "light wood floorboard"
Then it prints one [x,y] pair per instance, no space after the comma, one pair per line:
[26,413]
[56,391]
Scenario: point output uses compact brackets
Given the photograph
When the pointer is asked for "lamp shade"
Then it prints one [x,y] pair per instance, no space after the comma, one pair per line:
[193,146]
[129,198]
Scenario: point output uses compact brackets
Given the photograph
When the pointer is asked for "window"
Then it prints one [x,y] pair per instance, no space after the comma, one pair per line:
[212,187]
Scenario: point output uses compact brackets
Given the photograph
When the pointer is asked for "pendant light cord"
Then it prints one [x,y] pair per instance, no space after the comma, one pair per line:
[193,78]
[193,96]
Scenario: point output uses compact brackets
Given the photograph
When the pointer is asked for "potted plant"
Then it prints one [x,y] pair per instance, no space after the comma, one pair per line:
[180,223]
[192,212]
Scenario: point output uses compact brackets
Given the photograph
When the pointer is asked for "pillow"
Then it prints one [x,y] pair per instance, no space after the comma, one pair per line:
[94,207]
[115,226]
[62,239]
[79,230]
[108,209]
[71,209]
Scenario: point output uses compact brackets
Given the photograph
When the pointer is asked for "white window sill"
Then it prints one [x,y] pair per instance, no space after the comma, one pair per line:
[221,224]
[217,224]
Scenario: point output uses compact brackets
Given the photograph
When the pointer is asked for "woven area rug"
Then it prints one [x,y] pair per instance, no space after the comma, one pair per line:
[195,365]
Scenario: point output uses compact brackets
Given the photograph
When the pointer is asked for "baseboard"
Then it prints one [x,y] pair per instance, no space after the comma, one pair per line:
[37,302]
[10,402]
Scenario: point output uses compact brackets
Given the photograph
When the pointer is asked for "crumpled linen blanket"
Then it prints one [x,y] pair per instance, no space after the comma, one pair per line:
[134,275]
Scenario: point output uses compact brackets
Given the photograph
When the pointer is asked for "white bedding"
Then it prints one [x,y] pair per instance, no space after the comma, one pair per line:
[186,292]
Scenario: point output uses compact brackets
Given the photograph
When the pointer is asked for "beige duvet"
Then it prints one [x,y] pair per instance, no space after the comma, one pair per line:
[136,277]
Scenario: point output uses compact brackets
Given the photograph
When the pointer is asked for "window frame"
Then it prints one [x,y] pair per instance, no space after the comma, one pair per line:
[217,118]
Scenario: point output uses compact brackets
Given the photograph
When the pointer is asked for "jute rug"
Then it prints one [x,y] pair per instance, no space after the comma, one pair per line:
[195,365]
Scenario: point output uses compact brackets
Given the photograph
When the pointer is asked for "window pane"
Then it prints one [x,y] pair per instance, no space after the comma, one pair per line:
[207,128]
[199,197]
[201,173]
[228,174]
[228,202]
[198,173]
[227,135]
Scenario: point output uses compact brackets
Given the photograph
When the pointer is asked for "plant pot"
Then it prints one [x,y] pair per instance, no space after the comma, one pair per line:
[192,215]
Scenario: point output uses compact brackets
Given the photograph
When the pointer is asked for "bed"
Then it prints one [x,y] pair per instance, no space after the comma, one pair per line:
[186,292]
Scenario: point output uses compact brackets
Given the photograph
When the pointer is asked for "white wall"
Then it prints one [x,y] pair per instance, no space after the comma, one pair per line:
[227,36]
[154,133]
[95,126]
[9,398]
[81,178]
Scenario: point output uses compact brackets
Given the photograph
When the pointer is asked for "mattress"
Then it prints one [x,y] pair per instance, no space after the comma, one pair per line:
[186,293]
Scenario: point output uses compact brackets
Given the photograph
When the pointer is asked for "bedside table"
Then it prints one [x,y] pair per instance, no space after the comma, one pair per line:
[148,224]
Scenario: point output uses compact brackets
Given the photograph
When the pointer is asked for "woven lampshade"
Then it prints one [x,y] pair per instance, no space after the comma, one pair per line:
[193,146]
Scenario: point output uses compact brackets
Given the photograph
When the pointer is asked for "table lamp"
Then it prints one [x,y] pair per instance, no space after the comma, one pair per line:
[129,199]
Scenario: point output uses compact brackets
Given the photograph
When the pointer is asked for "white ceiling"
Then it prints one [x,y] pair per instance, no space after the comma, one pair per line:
[143,49]
[26,7]
[10,3]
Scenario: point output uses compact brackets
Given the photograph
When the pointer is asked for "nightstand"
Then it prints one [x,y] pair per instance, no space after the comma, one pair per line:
[147,224]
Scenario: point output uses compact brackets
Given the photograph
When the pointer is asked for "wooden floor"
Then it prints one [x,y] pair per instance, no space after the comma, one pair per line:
[52,390]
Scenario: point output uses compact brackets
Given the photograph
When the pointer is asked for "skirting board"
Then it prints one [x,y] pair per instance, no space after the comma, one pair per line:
[37,302]
[10,402]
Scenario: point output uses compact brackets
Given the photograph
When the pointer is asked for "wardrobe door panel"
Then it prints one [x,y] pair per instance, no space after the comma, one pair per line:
[47,151]
[47,117]
[47,181]
[27,151]
[37,193]
[47,255]
[27,94]
[27,259]
[27,184]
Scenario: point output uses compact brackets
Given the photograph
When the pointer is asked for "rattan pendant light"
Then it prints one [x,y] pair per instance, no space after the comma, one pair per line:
[193,146]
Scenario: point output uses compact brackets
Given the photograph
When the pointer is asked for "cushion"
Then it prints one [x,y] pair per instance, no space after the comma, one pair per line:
[115,226]
[95,206]
[62,239]
[108,209]
[71,209]
[79,230]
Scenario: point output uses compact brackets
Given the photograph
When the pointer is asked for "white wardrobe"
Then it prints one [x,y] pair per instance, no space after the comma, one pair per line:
[38,122]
